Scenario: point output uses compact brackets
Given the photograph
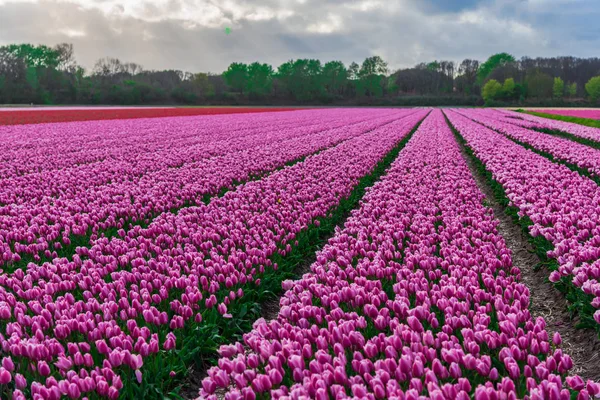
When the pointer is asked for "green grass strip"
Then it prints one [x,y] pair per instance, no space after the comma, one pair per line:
[593,123]
[556,132]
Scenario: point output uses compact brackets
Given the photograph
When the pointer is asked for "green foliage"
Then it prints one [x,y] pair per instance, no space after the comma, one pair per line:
[335,77]
[34,56]
[581,121]
[353,69]
[31,77]
[301,79]
[494,61]
[373,66]
[592,87]
[202,85]
[236,76]
[491,90]
[572,89]
[433,66]
[508,88]
[260,79]
[539,84]
[372,76]
[558,89]
[50,75]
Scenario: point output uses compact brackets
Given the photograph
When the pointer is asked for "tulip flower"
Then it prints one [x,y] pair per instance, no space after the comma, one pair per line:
[378,334]
[559,209]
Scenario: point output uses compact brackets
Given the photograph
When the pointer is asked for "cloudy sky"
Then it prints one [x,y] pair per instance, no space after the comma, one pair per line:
[190,34]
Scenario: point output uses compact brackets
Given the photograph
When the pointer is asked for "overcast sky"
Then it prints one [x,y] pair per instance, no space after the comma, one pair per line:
[190,34]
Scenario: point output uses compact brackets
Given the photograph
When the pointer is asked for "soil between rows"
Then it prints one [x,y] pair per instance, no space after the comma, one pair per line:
[583,345]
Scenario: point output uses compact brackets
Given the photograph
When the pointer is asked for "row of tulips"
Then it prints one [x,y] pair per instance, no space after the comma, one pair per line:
[18,116]
[155,142]
[560,206]
[578,155]
[46,212]
[535,122]
[415,298]
[122,311]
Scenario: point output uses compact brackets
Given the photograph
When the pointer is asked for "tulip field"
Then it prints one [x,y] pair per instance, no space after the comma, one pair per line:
[589,114]
[18,116]
[137,254]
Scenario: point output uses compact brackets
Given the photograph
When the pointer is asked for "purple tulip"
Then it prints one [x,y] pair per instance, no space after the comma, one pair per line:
[559,209]
[424,233]
[5,376]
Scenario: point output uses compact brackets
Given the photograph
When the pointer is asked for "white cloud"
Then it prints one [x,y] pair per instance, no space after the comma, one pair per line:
[189,34]
[332,23]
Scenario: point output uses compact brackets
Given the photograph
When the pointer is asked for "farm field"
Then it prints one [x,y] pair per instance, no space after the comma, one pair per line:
[589,114]
[18,116]
[317,253]
[590,118]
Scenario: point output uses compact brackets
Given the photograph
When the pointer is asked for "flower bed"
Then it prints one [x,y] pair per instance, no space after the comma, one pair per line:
[579,156]
[11,116]
[416,296]
[141,307]
[535,122]
[48,213]
[559,207]
[588,114]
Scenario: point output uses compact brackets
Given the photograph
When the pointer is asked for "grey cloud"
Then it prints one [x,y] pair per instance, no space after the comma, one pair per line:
[404,32]
[451,5]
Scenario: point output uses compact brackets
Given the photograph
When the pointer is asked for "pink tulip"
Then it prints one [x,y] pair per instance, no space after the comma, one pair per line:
[5,376]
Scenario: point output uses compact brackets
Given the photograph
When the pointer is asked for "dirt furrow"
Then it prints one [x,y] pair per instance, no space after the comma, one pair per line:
[583,345]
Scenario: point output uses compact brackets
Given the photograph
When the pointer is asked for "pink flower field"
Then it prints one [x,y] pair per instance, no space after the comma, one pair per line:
[305,254]
[589,114]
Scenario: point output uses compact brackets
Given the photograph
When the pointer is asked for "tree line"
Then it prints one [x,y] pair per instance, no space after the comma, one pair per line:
[41,74]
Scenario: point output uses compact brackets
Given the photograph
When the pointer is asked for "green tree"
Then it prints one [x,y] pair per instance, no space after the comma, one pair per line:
[202,85]
[301,78]
[494,61]
[508,88]
[372,76]
[572,89]
[335,77]
[558,89]
[353,69]
[539,84]
[284,76]
[491,90]
[260,79]
[314,72]
[593,88]
[35,56]
[434,66]
[236,76]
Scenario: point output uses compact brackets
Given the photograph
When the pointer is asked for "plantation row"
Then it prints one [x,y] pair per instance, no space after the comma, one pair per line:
[133,249]
[79,194]
[89,323]
[416,296]
[587,114]
[18,116]
[579,132]
[561,206]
